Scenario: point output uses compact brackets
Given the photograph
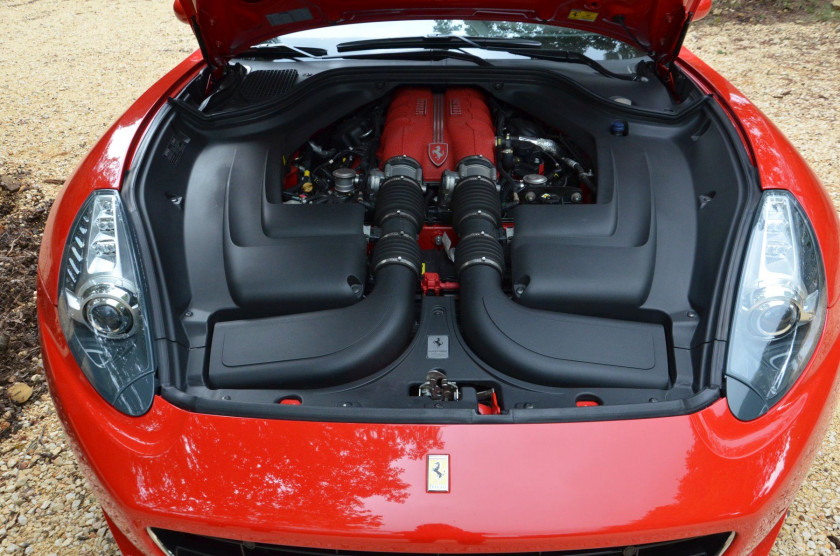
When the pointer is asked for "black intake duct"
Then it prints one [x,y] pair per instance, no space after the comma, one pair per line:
[337,345]
[542,347]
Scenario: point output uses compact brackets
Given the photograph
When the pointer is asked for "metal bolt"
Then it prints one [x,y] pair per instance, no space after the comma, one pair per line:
[529,405]
[691,315]
[438,405]
[226,398]
[438,240]
[520,290]
[653,400]
[188,314]
[345,404]
[576,197]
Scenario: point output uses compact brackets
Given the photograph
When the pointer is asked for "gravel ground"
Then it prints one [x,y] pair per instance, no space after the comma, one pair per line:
[72,67]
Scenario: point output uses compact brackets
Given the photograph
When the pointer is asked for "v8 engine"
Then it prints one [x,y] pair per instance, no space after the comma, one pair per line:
[436,138]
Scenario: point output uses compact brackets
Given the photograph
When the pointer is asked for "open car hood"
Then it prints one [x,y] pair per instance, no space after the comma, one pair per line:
[227,27]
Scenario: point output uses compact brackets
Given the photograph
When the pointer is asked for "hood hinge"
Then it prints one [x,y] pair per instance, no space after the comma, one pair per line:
[217,72]
[665,65]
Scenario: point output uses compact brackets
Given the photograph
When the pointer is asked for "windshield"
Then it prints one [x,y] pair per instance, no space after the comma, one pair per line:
[592,45]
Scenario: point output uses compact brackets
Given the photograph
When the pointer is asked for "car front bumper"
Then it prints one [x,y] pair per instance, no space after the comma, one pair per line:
[514,487]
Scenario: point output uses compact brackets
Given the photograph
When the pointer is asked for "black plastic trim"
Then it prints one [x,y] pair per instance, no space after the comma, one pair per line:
[198,545]
[355,414]
[388,78]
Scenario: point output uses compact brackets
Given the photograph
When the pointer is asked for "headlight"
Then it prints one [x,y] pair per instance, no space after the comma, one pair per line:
[101,305]
[780,308]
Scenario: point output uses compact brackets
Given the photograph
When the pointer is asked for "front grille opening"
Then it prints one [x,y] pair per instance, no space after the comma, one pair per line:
[187,544]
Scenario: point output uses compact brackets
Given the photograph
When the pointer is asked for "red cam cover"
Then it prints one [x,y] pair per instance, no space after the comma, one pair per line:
[438,129]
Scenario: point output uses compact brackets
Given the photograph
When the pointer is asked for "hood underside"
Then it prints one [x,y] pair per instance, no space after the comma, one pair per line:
[227,27]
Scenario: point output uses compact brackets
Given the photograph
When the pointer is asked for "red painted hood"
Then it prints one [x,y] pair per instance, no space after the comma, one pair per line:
[227,27]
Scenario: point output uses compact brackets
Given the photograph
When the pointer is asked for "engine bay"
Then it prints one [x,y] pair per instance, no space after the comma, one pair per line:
[438,250]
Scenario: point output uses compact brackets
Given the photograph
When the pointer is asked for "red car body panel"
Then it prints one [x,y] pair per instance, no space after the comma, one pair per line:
[228,28]
[514,488]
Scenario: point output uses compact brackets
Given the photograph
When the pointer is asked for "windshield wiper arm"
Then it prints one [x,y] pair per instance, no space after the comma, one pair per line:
[520,47]
[282,51]
[570,57]
[421,55]
[442,42]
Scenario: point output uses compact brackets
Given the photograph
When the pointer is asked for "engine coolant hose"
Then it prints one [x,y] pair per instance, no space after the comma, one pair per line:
[337,345]
[542,347]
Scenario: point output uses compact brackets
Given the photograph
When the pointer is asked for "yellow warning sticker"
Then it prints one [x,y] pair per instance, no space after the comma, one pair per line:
[582,15]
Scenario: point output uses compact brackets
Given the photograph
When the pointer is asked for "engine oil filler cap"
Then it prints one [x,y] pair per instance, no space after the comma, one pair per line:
[619,127]
[535,180]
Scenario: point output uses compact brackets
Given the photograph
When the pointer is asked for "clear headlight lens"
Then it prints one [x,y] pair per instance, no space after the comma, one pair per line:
[780,308]
[101,305]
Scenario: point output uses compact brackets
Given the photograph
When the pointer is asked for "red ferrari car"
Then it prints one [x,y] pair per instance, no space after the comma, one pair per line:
[476,276]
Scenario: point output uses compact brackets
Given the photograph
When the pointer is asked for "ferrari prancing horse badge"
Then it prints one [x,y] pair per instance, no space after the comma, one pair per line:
[438,153]
[437,473]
